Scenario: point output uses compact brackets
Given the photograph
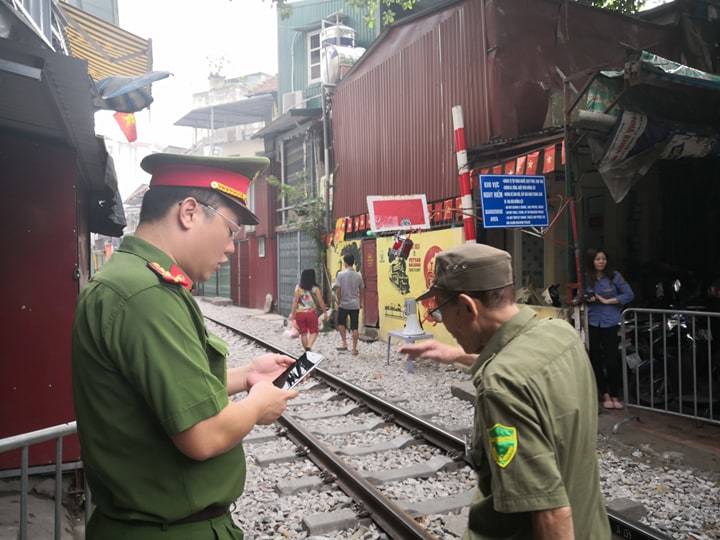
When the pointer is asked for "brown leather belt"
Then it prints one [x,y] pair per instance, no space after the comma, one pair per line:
[210,512]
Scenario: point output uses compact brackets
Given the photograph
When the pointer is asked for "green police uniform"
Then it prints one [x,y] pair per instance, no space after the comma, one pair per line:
[534,433]
[145,369]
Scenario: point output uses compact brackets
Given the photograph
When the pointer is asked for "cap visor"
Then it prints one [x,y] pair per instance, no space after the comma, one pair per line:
[246,216]
[432,291]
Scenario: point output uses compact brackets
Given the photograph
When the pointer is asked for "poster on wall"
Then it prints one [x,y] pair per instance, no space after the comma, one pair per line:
[400,279]
[398,212]
[336,252]
[334,262]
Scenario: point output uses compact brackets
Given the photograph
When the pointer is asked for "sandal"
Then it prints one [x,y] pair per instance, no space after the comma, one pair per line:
[355,352]
[341,348]
[617,404]
[608,404]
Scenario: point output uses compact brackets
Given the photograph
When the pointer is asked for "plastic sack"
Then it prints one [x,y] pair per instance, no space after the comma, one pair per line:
[291,331]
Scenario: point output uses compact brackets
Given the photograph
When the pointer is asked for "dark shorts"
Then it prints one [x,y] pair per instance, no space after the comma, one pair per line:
[307,322]
[343,314]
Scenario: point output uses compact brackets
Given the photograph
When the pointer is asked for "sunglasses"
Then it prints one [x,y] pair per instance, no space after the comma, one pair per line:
[435,312]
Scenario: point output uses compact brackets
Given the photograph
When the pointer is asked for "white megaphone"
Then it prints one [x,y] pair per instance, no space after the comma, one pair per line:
[412,324]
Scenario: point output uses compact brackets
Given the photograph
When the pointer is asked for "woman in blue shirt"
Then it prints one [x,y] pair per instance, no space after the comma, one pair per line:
[607,294]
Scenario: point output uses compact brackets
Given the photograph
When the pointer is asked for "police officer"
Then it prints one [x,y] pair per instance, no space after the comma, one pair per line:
[535,426]
[160,439]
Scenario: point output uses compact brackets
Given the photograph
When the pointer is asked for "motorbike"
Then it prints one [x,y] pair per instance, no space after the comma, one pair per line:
[673,358]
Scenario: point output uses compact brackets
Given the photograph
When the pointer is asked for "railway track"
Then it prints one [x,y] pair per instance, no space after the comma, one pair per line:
[396,519]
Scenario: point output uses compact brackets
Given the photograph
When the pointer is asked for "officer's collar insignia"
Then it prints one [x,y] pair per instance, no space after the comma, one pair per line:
[503,444]
[175,275]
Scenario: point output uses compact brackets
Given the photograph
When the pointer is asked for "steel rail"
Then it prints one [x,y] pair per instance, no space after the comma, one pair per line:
[620,525]
[432,433]
[395,522]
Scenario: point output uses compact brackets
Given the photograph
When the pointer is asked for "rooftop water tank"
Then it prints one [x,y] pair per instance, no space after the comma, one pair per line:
[338,34]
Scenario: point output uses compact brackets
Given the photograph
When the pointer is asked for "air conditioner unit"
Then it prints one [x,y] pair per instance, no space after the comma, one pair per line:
[292,100]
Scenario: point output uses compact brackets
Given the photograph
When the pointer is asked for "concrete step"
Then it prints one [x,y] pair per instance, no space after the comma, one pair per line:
[458,429]
[464,391]
[259,438]
[263,460]
[419,470]
[341,411]
[312,400]
[392,444]
[439,505]
[628,507]
[350,428]
[325,522]
[306,483]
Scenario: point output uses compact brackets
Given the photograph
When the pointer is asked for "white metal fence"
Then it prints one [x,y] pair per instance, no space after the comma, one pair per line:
[24,442]
[671,362]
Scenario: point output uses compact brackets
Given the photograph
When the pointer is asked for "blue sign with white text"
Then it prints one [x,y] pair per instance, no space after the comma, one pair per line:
[510,201]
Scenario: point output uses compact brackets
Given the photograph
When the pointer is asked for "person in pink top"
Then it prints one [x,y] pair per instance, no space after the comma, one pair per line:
[306,302]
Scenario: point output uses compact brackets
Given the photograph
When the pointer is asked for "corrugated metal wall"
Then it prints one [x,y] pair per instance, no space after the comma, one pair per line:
[391,117]
[392,127]
[297,250]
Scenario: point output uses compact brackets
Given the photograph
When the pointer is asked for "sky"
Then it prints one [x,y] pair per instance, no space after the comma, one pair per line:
[185,33]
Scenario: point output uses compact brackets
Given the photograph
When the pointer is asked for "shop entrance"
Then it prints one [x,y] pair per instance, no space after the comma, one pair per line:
[664,230]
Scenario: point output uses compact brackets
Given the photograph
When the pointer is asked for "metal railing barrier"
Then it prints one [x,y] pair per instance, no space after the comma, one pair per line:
[24,441]
[671,363]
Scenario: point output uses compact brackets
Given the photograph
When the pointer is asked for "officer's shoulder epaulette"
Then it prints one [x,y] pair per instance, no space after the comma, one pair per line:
[175,275]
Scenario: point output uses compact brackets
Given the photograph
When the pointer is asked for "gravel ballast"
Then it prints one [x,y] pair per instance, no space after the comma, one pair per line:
[680,501]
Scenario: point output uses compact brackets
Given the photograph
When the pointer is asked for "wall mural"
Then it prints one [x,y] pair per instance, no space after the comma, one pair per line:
[400,279]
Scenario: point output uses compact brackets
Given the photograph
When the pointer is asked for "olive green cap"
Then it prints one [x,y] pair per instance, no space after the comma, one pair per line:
[470,268]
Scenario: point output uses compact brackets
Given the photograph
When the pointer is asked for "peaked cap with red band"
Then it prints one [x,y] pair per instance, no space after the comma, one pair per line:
[230,177]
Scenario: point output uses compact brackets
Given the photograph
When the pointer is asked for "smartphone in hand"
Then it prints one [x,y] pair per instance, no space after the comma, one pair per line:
[296,373]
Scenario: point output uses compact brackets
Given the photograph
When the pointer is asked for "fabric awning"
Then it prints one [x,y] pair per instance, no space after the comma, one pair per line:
[108,49]
[652,109]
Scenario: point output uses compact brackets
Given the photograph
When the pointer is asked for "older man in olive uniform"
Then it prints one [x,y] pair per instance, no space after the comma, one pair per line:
[160,439]
[535,426]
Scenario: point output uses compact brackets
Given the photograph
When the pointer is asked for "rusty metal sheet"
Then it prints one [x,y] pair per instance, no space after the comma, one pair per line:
[502,61]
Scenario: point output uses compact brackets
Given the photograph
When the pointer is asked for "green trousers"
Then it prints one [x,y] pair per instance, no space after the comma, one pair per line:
[101,527]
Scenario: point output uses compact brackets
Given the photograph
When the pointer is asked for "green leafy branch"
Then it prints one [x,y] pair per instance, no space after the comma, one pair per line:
[627,7]
[309,214]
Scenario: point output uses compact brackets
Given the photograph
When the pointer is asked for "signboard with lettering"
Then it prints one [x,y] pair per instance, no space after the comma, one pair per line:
[513,201]
[399,279]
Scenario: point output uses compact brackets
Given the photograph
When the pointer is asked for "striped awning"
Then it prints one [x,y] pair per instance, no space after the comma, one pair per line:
[108,49]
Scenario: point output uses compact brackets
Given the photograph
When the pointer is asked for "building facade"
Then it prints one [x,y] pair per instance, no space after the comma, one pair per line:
[299,140]
[513,67]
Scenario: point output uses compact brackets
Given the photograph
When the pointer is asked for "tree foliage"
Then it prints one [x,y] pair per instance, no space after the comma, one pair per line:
[389,9]
[627,7]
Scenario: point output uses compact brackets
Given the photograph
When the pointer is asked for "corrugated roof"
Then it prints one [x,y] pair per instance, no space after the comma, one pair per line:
[285,122]
[245,111]
[108,49]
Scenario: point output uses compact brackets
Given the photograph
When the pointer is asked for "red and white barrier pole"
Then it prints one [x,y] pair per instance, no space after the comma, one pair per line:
[464,175]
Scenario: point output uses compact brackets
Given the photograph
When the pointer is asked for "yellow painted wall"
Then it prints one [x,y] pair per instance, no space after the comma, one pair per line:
[334,262]
[398,282]
[334,255]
